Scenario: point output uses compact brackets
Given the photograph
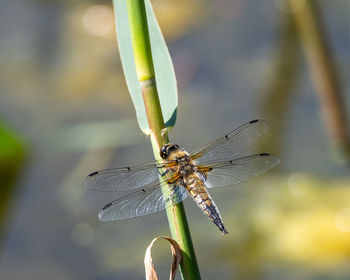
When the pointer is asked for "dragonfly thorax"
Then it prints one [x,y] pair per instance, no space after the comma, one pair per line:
[185,165]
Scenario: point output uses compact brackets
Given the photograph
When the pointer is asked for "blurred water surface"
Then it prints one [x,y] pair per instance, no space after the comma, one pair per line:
[63,91]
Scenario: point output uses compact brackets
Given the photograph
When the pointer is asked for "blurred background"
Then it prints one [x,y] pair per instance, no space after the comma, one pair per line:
[65,112]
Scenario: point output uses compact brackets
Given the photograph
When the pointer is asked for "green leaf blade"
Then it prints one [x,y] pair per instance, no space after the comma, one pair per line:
[164,70]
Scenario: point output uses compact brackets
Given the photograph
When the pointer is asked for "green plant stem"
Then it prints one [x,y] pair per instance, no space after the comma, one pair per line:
[146,76]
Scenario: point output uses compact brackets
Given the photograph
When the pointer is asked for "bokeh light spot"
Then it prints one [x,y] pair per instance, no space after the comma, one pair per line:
[98,20]
[342,220]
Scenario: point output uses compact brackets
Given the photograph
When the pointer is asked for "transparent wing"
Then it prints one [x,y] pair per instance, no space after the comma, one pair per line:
[232,145]
[122,179]
[228,173]
[142,202]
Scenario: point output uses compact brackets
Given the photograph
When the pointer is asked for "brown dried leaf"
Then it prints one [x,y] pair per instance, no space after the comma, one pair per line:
[151,273]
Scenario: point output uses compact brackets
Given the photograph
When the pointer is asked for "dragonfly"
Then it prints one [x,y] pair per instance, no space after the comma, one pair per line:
[153,187]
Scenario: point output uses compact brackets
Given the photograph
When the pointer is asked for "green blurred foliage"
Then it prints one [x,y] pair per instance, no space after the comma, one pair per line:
[12,153]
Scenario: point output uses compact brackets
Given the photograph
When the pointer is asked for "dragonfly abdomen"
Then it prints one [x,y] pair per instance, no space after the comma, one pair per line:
[199,193]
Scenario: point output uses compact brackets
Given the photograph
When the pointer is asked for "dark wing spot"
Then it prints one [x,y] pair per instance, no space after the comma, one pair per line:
[128,168]
[106,206]
[93,173]
[253,121]
[143,190]
[226,136]
[264,154]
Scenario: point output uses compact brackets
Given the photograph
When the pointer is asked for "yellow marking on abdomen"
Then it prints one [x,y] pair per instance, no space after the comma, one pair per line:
[198,191]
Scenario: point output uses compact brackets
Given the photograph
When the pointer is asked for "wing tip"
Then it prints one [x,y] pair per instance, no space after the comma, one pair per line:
[87,180]
[93,174]
[253,121]
[100,218]
[260,121]
[276,159]
[100,215]
[106,206]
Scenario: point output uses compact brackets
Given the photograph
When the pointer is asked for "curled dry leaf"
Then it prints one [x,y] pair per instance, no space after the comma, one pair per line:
[151,273]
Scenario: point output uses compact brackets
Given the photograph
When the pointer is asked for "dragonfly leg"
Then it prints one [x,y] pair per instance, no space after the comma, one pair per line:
[174,195]
[164,173]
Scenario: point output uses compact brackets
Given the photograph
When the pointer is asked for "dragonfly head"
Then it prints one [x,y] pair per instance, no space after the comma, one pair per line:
[167,149]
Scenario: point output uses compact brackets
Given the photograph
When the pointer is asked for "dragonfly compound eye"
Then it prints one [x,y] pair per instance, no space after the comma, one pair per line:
[164,152]
[167,149]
